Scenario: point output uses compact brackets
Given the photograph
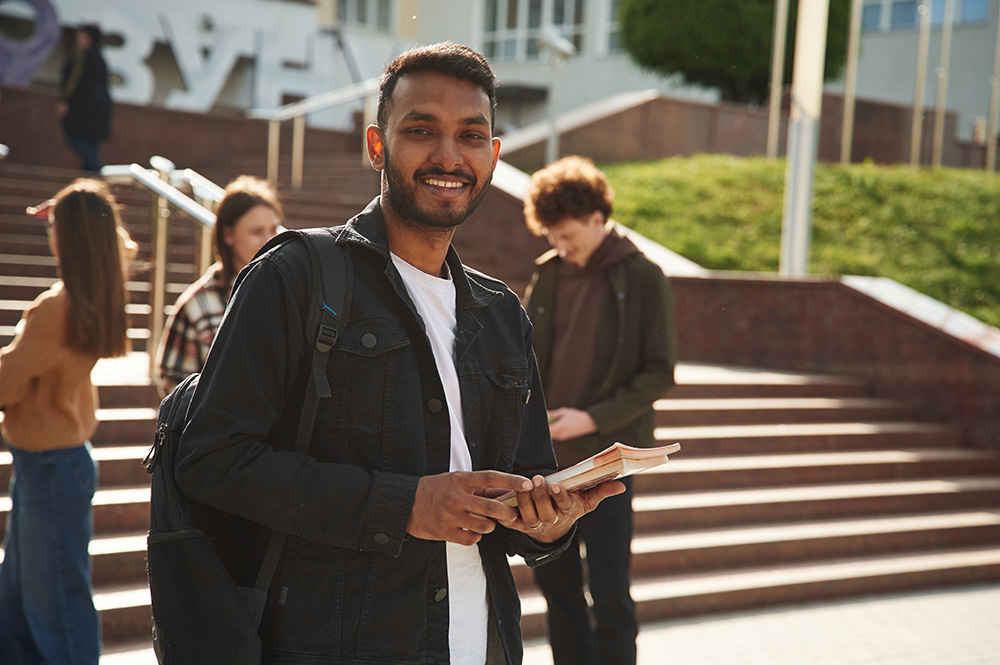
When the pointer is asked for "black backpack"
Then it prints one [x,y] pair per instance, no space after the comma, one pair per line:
[199,614]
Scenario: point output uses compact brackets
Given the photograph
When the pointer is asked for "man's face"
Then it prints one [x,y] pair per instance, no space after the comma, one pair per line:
[437,151]
[577,239]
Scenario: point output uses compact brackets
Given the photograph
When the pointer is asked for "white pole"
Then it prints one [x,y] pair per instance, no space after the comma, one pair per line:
[803,134]
[917,124]
[777,73]
[552,145]
[991,119]
[850,83]
[942,87]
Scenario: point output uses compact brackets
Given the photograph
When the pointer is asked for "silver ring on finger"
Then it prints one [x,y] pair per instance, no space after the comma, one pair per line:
[536,526]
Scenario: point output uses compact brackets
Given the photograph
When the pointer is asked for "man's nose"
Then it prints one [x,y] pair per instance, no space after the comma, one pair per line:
[447,154]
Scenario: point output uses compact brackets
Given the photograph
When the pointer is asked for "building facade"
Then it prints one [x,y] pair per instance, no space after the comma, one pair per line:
[235,55]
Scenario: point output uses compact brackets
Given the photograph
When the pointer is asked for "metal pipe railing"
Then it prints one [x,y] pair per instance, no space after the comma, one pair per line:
[297,111]
[158,181]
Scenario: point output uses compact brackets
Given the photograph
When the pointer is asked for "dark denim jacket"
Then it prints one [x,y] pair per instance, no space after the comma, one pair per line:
[352,586]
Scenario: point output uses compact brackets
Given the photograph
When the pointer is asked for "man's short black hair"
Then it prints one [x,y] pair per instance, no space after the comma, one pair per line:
[447,58]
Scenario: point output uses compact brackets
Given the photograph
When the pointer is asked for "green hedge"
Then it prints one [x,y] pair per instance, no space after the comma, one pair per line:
[937,231]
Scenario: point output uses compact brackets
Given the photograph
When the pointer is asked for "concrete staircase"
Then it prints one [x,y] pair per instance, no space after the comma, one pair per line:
[789,487]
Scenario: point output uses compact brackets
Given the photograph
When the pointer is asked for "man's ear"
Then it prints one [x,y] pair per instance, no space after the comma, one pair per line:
[496,151]
[376,147]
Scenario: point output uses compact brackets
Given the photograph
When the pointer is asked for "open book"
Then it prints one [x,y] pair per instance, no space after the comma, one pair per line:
[615,461]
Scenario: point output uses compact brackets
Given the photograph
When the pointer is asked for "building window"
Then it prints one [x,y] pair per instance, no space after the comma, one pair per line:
[511,27]
[371,14]
[974,11]
[904,14]
[614,29]
[871,17]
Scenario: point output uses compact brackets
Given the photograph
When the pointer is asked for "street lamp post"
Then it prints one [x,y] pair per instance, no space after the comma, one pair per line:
[803,135]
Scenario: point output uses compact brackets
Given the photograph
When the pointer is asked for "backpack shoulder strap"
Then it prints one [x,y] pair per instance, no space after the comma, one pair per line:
[329,304]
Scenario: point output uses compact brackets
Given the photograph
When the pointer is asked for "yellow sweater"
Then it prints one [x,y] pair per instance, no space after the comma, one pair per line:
[45,386]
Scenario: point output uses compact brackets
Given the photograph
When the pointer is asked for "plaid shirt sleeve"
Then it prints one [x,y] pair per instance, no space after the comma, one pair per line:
[190,331]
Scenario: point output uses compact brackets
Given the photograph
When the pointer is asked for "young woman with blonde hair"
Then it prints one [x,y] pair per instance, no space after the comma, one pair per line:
[47,612]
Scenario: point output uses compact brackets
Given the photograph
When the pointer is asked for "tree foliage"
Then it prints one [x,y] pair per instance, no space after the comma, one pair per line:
[721,43]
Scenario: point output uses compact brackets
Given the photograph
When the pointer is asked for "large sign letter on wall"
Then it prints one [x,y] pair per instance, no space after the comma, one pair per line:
[19,60]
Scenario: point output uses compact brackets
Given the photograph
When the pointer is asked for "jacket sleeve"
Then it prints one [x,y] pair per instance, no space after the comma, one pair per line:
[657,339]
[224,457]
[534,456]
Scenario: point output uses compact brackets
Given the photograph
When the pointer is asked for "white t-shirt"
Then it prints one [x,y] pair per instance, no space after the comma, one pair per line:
[434,298]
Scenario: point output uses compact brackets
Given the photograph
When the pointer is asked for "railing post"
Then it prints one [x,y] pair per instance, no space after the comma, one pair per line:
[204,257]
[298,149]
[273,141]
[157,297]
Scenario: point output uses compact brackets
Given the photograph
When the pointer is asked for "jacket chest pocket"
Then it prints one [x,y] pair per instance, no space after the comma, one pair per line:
[366,372]
[504,393]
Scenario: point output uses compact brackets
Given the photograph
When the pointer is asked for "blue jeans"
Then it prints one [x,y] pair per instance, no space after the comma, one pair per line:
[89,151]
[47,613]
[608,639]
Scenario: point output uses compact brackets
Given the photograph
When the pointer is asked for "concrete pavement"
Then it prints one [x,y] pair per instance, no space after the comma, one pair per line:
[953,626]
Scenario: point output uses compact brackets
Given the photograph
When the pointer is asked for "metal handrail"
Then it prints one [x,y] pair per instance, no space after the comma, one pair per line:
[158,181]
[201,186]
[296,112]
[150,179]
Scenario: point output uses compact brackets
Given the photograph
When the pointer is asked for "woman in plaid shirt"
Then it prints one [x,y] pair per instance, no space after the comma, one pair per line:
[247,217]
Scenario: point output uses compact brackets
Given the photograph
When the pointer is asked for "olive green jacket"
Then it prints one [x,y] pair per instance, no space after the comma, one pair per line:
[636,350]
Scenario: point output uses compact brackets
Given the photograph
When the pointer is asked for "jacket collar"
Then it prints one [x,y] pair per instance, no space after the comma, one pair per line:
[367,230]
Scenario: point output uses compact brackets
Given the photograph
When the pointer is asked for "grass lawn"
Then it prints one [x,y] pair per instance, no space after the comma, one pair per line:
[937,231]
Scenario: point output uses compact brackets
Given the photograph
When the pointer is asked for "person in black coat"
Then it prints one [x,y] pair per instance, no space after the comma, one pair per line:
[85,103]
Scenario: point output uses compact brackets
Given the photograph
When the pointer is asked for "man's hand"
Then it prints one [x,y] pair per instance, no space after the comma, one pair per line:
[454,506]
[566,423]
[548,512]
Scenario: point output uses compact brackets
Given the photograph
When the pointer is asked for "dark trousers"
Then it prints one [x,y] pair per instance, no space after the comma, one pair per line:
[89,151]
[610,638]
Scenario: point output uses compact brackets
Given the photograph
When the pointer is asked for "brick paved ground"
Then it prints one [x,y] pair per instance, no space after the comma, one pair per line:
[948,627]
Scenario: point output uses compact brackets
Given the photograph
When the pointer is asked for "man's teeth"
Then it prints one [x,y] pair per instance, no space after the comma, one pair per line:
[447,184]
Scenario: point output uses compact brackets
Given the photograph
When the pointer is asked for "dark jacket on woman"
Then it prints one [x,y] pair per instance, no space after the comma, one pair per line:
[84,88]
[634,354]
[351,585]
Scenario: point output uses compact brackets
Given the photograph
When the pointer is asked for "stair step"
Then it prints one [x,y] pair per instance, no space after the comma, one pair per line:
[801,437]
[703,550]
[117,466]
[124,611]
[687,510]
[129,653]
[125,425]
[761,470]
[700,381]
[745,410]
[687,595]
[116,511]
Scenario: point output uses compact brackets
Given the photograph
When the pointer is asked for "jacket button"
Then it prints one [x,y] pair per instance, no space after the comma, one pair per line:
[381,539]
[369,340]
[434,405]
[440,595]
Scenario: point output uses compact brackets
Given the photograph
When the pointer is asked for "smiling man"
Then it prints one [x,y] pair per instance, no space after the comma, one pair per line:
[396,550]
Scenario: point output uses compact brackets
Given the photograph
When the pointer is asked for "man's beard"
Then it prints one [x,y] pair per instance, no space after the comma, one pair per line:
[403,199]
